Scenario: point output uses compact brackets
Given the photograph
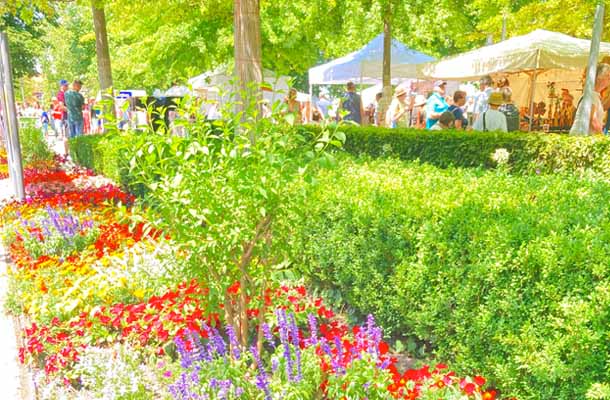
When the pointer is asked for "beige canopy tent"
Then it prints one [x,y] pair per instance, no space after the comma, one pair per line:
[531,63]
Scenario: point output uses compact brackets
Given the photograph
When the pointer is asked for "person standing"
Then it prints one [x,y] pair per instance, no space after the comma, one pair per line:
[352,104]
[324,102]
[492,119]
[513,119]
[57,112]
[293,106]
[399,109]
[459,100]
[436,104]
[61,98]
[481,103]
[74,104]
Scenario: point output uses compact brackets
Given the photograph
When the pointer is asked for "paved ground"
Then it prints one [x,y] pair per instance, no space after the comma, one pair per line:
[14,384]
[15,381]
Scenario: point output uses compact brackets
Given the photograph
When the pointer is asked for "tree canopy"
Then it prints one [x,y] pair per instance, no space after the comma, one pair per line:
[155,43]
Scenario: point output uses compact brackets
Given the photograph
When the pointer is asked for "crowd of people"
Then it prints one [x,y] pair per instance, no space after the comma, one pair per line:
[68,114]
[491,109]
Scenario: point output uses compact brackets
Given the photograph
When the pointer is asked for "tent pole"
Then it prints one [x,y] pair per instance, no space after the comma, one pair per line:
[533,90]
[310,116]
[362,119]
[532,93]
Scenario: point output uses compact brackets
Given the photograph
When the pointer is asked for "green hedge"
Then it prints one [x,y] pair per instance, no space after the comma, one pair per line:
[107,155]
[529,152]
[507,275]
[34,148]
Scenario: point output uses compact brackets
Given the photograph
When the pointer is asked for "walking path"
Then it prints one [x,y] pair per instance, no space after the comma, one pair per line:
[13,382]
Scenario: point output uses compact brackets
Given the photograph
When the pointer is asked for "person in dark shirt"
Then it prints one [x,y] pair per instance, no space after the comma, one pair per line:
[74,104]
[459,100]
[352,104]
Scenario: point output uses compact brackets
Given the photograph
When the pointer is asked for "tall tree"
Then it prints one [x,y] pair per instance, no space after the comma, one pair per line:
[101,45]
[248,51]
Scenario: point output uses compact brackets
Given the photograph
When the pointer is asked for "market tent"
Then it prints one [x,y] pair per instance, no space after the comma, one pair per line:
[220,83]
[534,63]
[366,65]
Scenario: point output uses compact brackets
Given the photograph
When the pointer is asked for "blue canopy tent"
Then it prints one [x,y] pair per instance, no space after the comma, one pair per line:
[366,65]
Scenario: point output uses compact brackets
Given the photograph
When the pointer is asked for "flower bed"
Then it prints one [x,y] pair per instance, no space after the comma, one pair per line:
[110,319]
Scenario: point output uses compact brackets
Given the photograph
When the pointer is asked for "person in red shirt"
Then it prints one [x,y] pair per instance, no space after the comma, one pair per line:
[61,97]
[57,112]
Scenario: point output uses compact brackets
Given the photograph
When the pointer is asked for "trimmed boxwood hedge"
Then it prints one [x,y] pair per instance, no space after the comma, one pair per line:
[505,272]
[506,275]
[529,152]
[107,155]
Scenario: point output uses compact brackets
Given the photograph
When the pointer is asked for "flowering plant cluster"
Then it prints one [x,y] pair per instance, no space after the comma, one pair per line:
[108,320]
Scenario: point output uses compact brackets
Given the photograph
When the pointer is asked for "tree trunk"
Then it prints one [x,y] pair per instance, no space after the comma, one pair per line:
[101,46]
[248,51]
[384,103]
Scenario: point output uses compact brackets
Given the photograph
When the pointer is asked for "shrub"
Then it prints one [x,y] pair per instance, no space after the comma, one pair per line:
[34,148]
[529,152]
[504,274]
[108,155]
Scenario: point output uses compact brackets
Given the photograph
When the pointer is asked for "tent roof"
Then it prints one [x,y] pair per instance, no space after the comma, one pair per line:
[367,63]
[539,49]
[222,76]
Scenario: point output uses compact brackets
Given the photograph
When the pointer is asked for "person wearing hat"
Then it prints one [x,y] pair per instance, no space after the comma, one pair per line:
[399,109]
[492,119]
[436,104]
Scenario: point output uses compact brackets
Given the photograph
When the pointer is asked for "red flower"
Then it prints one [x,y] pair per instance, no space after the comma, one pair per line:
[489,395]
[479,380]
[234,288]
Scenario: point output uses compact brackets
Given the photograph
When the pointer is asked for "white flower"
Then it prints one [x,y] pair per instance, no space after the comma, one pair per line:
[500,156]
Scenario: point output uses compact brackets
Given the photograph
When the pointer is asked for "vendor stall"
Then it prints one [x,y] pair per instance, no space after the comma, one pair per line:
[545,71]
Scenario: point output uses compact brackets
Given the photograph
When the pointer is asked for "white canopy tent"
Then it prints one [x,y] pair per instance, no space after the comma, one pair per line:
[532,63]
[366,65]
[220,83]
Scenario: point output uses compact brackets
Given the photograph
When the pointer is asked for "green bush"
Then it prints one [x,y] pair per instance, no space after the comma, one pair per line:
[108,155]
[34,148]
[530,152]
[507,275]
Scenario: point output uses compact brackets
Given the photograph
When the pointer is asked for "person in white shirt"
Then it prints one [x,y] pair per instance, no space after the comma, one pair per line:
[492,119]
[481,103]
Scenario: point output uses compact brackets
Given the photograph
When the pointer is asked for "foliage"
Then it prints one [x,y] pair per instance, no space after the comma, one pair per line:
[25,41]
[71,51]
[530,153]
[34,148]
[504,273]
[232,185]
